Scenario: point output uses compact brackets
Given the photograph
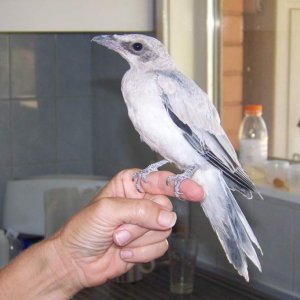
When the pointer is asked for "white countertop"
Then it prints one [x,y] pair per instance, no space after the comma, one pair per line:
[279,193]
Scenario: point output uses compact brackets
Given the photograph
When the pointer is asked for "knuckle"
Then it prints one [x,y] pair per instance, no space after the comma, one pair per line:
[102,203]
[122,175]
[126,173]
[164,246]
[147,254]
[140,209]
[168,233]
[163,201]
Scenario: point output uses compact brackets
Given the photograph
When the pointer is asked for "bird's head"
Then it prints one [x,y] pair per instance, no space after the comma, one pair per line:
[139,50]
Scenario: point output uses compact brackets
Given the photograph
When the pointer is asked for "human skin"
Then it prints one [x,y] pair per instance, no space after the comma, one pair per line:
[120,227]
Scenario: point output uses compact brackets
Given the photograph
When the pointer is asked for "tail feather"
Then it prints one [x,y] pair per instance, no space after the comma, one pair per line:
[246,225]
[228,221]
[244,235]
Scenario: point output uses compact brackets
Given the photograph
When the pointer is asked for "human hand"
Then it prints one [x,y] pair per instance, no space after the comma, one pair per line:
[120,227]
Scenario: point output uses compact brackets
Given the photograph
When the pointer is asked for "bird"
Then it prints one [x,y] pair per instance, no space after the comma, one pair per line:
[176,118]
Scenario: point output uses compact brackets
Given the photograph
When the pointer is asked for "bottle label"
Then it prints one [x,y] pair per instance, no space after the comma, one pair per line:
[253,151]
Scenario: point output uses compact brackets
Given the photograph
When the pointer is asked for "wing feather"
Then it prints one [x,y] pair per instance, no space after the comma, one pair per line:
[192,111]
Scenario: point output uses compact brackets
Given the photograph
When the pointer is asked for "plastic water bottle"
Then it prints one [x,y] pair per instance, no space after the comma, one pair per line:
[4,249]
[253,136]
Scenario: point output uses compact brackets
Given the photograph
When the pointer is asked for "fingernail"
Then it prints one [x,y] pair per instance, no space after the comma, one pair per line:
[167,218]
[126,254]
[122,237]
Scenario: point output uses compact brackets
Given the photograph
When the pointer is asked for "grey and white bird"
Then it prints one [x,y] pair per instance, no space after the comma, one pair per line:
[176,119]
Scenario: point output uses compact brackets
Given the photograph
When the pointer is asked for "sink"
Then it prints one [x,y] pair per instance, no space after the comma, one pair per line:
[23,208]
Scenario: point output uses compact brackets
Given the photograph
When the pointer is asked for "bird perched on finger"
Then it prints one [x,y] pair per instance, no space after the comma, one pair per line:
[176,119]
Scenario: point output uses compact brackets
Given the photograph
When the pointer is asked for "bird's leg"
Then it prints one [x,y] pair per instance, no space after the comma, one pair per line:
[141,175]
[188,173]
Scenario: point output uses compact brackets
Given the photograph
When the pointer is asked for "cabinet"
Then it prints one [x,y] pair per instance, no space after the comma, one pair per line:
[286,139]
[76,15]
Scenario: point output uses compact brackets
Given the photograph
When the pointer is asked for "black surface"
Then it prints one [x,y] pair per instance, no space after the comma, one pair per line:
[156,286]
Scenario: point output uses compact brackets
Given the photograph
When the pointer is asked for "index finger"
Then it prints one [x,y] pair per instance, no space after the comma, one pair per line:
[156,183]
[122,185]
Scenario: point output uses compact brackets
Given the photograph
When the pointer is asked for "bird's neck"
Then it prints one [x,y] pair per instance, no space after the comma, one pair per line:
[162,65]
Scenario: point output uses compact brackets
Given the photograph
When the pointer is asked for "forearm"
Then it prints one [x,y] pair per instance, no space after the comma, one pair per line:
[38,273]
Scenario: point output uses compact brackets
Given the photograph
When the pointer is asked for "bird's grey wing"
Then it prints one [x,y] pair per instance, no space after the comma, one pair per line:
[191,110]
[193,107]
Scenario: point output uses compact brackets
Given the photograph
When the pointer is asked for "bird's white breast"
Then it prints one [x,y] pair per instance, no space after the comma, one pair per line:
[152,121]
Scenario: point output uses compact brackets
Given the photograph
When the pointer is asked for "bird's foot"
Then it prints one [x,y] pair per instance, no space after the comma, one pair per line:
[177,179]
[140,176]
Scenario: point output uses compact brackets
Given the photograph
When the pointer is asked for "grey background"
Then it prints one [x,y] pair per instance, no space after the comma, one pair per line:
[61,109]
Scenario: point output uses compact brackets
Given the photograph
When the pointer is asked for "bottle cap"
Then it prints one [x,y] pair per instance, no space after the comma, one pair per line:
[253,109]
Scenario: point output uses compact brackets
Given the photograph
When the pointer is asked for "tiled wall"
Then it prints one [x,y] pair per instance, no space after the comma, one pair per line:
[61,110]
[116,144]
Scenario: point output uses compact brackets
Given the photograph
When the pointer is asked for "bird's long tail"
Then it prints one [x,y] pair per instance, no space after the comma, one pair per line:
[228,221]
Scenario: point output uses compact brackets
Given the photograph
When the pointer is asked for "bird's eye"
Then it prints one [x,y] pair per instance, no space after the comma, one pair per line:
[137,46]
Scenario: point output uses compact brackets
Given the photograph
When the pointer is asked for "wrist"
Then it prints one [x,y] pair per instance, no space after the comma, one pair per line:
[63,271]
[41,272]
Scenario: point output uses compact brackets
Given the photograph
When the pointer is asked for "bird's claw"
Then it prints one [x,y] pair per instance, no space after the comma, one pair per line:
[177,179]
[140,176]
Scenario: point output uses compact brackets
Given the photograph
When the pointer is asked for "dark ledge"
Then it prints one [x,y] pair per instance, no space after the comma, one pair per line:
[207,286]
